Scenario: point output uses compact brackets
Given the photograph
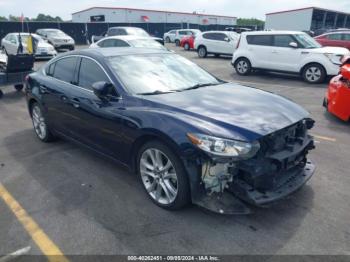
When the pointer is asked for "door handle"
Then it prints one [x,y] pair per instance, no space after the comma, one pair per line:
[43,89]
[76,102]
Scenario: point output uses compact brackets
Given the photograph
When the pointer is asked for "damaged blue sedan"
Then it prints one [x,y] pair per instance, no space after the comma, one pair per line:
[188,135]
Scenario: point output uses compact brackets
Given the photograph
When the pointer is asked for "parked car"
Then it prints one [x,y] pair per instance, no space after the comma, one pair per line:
[127,41]
[169,37]
[216,42]
[187,42]
[286,51]
[337,99]
[126,30]
[57,38]
[157,113]
[10,44]
[183,33]
[338,38]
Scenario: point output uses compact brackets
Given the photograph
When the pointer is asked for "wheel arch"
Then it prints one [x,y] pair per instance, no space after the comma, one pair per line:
[150,135]
[312,63]
[242,57]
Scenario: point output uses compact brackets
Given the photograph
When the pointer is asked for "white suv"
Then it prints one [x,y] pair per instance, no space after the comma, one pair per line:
[216,42]
[286,51]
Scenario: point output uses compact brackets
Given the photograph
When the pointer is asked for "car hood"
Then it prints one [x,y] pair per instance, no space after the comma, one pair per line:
[329,50]
[232,107]
[43,44]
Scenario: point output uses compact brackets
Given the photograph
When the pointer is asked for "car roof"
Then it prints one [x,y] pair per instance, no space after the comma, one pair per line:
[125,27]
[273,32]
[127,37]
[118,51]
[218,31]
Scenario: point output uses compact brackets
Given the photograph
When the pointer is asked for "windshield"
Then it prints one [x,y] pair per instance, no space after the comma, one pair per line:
[307,41]
[233,35]
[158,73]
[55,33]
[147,43]
[137,31]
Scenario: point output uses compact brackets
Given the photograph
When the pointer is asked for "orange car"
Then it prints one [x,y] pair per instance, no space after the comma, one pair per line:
[337,100]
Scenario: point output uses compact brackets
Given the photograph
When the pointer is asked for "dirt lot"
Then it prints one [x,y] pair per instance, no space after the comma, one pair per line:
[89,205]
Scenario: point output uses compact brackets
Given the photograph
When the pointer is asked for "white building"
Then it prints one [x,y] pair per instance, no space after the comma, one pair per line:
[132,15]
[305,19]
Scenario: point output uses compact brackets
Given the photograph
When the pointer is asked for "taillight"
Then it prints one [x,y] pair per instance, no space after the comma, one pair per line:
[239,41]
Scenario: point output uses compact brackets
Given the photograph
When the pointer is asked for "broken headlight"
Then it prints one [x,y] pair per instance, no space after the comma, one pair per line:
[224,147]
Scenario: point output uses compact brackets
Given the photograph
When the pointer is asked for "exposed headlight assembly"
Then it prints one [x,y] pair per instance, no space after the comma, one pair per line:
[224,147]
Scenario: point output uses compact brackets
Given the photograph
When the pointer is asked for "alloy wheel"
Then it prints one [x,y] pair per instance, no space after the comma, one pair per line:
[39,122]
[242,67]
[313,74]
[202,52]
[158,176]
[187,46]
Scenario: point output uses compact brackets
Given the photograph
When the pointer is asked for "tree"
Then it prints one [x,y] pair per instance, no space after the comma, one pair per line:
[47,18]
[250,22]
[3,18]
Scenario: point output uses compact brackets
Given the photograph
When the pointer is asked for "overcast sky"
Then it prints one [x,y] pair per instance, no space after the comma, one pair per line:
[239,8]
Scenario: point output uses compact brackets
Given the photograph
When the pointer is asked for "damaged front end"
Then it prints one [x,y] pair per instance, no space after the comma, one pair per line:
[278,168]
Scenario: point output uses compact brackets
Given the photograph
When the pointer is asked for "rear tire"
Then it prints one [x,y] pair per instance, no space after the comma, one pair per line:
[202,52]
[167,39]
[177,42]
[243,66]
[163,176]
[314,73]
[41,129]
[19,87]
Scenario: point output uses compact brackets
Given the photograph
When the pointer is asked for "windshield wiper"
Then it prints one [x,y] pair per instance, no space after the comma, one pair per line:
[156,92]
[200,85]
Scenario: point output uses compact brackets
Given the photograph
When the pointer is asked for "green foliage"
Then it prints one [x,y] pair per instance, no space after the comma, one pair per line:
[39,18]
[47,18]
[249,21]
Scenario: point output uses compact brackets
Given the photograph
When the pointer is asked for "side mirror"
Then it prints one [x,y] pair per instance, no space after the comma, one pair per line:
[102,89]
[293,45]
[345,71]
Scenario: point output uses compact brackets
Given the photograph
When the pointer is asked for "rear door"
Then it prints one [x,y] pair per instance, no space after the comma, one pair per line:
[56,93]
[260,48]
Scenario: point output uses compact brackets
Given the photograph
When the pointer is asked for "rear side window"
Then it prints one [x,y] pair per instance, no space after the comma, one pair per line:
[90,72]
[50,69]
[265,40]
[346,37]
[116,31]
[282,40]
[334,37]
[64,69]
[113,43]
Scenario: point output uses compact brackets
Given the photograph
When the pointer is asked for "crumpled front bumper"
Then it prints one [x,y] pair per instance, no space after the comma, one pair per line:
[291,182]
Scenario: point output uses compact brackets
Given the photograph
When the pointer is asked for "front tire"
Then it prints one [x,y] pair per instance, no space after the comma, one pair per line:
[163,176]
[40,124]
[202,52]
[314,73]
[187,46]
[167,39]
[243,66]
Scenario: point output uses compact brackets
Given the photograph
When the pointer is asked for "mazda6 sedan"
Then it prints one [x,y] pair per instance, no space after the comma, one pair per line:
[189,136]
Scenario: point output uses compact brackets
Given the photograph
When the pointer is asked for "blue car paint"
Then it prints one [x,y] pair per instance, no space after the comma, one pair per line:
[116,128]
